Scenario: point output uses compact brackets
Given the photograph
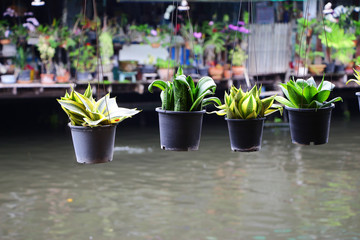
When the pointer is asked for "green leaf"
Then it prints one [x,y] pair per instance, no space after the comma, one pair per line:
[157,83]
[284,101]
[73,107]
[88,92]
[211,100]
[295,98]
[248,106]
[87,102]
[332,101]
[205,84]
[181,94]
[311,82]
[309,93]
[322,96]
[327,86]
[199,100]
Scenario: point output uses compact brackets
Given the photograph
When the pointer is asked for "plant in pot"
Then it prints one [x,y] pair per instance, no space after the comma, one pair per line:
[245,115]
[309,109]
[93,124]
[8,72]
[166,68]
[199,53]
[315,68]
[20,63]
[84,61]
[339,44]
[149,66]
[46,47]
[357,81]
[62,74]
[214,45]
[238,58]
[181,112]
[4,32]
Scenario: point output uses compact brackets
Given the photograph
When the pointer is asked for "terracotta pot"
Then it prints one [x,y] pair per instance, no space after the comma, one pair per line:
[166,74]
[238,70]
[216,72]
[317,68]
[5,41]
[63,79]
[357,68]
[187,45]
[47,78]
[155,45]
[227,74]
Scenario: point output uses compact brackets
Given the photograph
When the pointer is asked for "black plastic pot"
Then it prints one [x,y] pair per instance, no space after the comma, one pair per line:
[180,131]
[204,71]
[358,95]
[82,76]
[148,69]
[330,68]
[24,75]
[93,145]
[189,71]
[245,134]
[310,125]
[340,69]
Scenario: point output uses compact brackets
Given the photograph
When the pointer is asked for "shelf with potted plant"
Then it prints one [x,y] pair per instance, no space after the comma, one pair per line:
[83,59]
[245,114]
[165,68]
[93,124]
[182,110]
[46,47]
[309,109]
[238,57]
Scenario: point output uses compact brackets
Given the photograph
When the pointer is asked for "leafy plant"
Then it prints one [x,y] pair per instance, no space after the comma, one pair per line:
[83,58]
[357,76]
[162,63]
[83,110]
[106,47]
[182,95]
[305,94]
[20,58]
[46,47]
[247,105]
[238,56]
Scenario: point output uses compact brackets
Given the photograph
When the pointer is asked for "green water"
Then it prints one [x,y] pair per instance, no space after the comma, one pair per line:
[284,191]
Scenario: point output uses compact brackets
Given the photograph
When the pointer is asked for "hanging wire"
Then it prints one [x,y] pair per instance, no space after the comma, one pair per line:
[236,33]
[192,40]
[326,40]
[301,36]
[252,23]
[307,29]
[81,41]
[172,38]
[99,60]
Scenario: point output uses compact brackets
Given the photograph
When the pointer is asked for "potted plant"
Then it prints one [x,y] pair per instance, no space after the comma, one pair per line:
[93,124]
[357,80]
[62,74]
[84,61]
[149,66]
[245,115]
[216,72]
[46,47]
[106,50]
[4,32]
[340,45]
[238,57]
[20,62]
[181,112]
[166,68]
[308,108]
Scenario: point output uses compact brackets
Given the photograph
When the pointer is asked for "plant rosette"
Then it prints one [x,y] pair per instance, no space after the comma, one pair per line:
[309,109]
[181,112]
[245,114]
[357,81]
[93,124]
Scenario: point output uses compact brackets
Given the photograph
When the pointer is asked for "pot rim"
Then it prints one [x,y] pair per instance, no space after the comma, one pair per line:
[309,109]
[357,93]
[244,120]
[91,128]
[159,110]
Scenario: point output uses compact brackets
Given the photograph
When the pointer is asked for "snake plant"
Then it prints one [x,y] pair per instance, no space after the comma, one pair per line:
[357,76]
[182,95]
[306,94]
[247,105]
[83,110]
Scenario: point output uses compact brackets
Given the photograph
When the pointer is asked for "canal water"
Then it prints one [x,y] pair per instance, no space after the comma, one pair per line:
[285,191]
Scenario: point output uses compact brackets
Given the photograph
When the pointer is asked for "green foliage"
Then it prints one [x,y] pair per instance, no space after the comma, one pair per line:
[106,47]
[162,63]
[217,40]
[357,76]
[83,58]
[3,27]
[182,95]
[340,41]
[83,110]
[238,56]
[247,105]
[305,94]
[20,59]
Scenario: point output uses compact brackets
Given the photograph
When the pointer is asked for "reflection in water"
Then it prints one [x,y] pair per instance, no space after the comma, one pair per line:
[284,191]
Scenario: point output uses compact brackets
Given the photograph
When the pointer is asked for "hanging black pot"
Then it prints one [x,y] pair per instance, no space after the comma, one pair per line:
[204,71]
[358,95]
[340,69]
[93,145]
[330,67]
[180,131]
[310,125]
[245,134]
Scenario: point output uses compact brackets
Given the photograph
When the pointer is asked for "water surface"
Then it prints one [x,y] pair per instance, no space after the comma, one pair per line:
[285,191]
